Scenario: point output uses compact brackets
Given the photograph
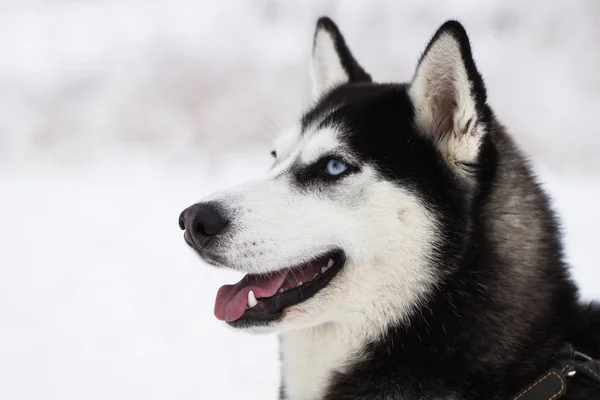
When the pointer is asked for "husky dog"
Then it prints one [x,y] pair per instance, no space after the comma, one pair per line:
[400,243]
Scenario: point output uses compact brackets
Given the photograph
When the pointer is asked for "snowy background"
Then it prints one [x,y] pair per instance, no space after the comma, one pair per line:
[116,115]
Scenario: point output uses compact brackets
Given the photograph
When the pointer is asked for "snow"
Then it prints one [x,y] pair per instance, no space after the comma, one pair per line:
[115,115]
[101,298]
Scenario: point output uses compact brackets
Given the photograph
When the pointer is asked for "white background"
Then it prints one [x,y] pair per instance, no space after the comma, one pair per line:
[116,115]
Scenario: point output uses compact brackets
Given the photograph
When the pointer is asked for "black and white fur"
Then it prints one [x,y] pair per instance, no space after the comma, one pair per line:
[454,285]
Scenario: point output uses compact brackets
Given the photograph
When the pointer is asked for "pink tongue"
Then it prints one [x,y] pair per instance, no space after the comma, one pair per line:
[232,300]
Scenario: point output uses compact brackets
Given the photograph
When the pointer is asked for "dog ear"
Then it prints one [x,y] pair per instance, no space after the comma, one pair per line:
[449,95]
[332,62]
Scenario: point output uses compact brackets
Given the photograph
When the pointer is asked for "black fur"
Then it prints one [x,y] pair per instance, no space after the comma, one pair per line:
[505,301]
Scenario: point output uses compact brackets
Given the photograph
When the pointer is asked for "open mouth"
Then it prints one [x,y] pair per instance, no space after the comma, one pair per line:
[264,297]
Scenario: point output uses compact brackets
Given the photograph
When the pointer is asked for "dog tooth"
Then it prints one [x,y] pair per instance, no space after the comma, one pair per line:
[280,291]
[300,284]
[324,269]
[330,263]
[251,299]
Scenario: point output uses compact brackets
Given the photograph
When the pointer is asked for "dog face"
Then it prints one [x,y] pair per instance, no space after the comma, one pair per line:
[363,195]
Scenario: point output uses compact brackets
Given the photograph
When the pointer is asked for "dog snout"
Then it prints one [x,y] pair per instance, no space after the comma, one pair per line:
[202,222]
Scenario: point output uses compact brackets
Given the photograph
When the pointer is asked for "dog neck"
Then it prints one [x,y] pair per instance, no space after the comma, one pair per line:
[312,355]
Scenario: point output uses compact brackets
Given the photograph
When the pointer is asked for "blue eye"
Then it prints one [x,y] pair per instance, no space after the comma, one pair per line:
[335,167]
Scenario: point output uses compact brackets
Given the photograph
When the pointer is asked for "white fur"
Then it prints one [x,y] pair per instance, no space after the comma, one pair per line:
[311,355]
[378,287]
[441,88]
[327,68]
[385,231]
[321,142]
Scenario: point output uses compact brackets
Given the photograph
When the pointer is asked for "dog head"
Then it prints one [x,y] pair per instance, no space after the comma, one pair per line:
[364,194]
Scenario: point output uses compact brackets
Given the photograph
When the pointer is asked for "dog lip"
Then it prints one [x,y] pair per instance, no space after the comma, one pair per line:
[271,308]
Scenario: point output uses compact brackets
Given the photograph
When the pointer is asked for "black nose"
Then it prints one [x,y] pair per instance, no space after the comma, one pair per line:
[202,221]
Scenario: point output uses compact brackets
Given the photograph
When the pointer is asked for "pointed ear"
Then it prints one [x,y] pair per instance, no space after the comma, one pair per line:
[332,62]
[449,95]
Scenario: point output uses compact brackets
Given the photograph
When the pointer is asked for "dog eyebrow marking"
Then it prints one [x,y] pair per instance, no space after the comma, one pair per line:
[319,142]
